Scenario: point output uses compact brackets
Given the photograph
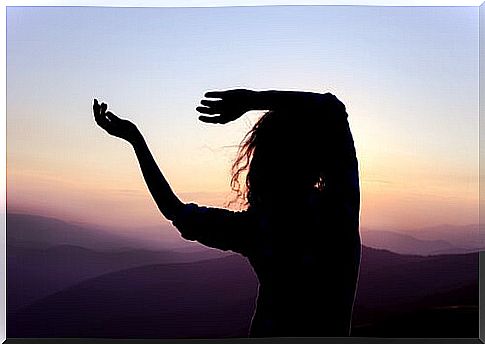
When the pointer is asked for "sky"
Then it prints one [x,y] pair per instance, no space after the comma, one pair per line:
[407,75]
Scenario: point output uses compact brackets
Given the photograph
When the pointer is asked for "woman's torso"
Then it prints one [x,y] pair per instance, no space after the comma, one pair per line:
[306,259]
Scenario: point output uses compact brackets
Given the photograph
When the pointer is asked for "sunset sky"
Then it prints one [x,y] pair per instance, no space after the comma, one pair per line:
[408,76]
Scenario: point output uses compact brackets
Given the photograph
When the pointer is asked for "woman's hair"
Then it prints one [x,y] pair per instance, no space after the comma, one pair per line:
[283,154]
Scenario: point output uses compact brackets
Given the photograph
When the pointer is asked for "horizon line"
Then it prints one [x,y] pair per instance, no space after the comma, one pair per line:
[167,222]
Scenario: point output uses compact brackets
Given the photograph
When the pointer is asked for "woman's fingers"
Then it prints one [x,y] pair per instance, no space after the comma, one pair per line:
[228,107]
[112,117]
[211,103]
[96,108]
[207,110]
[227,93]
[102,122]
[103,109]
[215,94]
[100,118]
[211,119]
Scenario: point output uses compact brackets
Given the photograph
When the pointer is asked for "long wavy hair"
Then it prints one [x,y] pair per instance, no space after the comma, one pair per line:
[283,155]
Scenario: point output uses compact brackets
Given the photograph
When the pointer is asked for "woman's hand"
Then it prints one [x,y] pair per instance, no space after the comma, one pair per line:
[231,105]
[114,125]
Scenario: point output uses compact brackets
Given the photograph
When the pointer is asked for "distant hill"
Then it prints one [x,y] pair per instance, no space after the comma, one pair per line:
[207,299]
[33,231]
[390,282]
[215,298]
[444,239]
[51,254]
[71,280]
[405,244]
[470,237]
[57,267]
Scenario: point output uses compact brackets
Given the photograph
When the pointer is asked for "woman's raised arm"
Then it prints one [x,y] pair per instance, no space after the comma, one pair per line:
[226,106]
[342,178]
[166,200]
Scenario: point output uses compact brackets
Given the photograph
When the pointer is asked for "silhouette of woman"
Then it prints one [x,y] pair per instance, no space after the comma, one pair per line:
[300,231]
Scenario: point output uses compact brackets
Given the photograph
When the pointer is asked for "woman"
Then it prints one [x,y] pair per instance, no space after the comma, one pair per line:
[300,231]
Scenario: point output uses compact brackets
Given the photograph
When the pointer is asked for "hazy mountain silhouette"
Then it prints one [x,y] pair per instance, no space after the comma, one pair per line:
[415,296]
[406,244]
[390,281]
[34,231]
[51,254]
[467,236]
[210,299]
[89,282]
[58,267]
[445,239]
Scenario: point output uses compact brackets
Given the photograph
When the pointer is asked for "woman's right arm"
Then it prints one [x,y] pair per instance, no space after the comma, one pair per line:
[214,227]
[167,202]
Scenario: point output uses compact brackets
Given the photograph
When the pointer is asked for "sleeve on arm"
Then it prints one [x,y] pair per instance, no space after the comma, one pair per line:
[215,227]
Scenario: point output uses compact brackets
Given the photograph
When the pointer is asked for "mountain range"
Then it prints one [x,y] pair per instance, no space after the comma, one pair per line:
[67,280]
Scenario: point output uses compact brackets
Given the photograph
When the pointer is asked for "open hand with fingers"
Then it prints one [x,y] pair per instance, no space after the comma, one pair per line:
[229,106]
[114,125]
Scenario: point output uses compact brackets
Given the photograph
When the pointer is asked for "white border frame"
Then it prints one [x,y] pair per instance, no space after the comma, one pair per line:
[155,3]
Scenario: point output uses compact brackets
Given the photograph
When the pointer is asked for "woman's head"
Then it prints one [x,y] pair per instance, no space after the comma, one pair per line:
[284,155]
